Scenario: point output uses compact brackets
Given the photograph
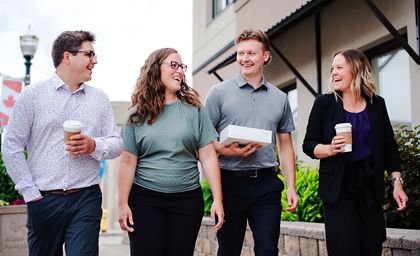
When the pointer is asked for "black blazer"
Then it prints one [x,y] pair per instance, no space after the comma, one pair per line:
[325,114]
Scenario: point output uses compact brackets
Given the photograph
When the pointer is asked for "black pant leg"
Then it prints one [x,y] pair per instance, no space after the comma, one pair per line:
[185,214]
[342,228]
[149,217]
[372,231]
[235,202]
[265,215]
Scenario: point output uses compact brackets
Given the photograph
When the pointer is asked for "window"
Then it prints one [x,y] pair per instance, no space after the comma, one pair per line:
[219,6]
[292,97]
[392,75]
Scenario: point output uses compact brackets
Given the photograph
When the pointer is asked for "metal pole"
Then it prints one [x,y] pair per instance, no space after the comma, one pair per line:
[28,69]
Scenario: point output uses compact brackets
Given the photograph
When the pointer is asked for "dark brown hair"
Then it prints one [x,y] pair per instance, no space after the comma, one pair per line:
[149,95]
[69,41]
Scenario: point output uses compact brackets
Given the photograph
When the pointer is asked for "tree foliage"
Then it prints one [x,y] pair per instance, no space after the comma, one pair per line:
[8,194]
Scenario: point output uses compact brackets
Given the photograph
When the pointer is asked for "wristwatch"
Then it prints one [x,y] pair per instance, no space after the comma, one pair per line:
[397,179]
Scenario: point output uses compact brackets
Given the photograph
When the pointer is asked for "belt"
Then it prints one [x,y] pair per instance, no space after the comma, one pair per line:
[64,192]
[251,173]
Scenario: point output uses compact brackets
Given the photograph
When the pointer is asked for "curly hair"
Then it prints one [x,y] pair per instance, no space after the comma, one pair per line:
[363,80]
[149,95]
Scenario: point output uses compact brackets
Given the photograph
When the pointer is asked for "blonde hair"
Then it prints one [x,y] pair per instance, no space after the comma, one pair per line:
[363,83]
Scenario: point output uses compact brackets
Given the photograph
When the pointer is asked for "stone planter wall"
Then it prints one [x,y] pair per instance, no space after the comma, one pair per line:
[307,239]
[13,232]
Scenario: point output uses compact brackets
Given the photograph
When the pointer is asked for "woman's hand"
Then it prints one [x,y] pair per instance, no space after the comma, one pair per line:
[217,210]
[337,145]
[126,218]
[326,150]
[400,196]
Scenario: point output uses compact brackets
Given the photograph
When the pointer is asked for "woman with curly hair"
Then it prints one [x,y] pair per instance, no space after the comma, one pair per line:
[166,132]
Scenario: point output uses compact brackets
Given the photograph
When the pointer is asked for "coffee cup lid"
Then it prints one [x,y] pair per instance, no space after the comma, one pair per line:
[342,125]
[72,125]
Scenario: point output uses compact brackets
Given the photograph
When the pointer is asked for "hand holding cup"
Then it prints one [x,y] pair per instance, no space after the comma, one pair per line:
[343,138]
[77,143]
[71,127]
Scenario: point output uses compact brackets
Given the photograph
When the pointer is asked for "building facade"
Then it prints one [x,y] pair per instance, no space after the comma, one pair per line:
[109,179]
[304,36]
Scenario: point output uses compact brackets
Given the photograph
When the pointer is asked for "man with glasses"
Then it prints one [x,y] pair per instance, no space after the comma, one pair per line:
[251,188]
[59,180]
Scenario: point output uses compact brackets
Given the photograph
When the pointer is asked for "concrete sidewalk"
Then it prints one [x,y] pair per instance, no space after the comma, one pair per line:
[112,243]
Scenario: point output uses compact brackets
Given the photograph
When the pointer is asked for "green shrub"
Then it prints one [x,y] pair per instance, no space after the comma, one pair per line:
[310,206]
[8,194]
[208,197]
[408,145]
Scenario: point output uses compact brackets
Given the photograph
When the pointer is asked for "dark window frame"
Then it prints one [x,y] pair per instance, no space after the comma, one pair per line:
[215,10]
[289,88]
[383,48]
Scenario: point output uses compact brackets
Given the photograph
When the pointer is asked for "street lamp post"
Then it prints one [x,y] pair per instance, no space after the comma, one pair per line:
[28,46]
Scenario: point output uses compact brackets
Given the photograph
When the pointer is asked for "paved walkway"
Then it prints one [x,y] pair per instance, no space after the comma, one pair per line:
[111,244]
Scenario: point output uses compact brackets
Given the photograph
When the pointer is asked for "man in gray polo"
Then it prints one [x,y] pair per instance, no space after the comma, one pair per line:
[251,188]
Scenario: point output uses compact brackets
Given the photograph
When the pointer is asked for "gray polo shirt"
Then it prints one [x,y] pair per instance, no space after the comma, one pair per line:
[266,107]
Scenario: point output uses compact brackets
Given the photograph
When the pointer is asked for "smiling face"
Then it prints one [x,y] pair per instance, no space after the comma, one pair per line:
[80,63]
[251,57]
[170,77]
[341,74]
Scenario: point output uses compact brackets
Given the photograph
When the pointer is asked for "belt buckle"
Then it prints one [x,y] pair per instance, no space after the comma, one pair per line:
[255,175]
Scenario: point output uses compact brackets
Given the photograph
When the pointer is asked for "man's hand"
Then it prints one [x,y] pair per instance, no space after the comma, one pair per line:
[292,199]
[235,149]
[80,144]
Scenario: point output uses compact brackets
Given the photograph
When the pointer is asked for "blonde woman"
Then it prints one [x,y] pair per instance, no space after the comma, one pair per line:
[351,185]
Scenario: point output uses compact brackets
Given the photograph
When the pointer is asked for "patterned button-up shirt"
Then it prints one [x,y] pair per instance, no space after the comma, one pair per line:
[36,124]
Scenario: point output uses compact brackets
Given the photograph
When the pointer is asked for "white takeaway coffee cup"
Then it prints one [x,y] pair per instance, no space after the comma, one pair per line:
[71,127]
[344,129]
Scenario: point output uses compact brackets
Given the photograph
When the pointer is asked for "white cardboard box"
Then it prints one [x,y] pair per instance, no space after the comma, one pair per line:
[244,135]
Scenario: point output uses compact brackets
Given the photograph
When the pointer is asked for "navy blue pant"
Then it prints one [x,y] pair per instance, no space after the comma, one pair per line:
[73,220]
[165,224]
[257,200]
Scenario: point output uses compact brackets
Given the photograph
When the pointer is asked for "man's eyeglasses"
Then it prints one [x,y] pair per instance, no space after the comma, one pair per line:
[91,54]
[175,65]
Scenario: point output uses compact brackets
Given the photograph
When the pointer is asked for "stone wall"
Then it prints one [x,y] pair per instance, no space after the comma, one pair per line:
[307,239]
[13,231]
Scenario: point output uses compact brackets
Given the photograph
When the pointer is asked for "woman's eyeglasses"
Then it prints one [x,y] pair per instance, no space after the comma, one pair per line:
[175,65]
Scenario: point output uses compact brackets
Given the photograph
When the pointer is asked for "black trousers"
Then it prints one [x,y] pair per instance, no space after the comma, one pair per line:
[355,225]
[257,200]
[73,220]
[165,224]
